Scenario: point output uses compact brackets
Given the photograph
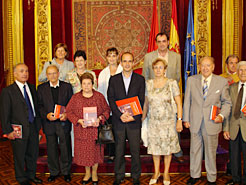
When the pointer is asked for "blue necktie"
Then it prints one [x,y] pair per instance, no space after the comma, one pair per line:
[205,89]
[29,105]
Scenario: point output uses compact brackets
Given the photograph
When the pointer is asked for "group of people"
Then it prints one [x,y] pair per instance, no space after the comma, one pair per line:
[75,88]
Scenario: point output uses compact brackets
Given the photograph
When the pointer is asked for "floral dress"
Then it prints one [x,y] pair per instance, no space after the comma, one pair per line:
[162,134]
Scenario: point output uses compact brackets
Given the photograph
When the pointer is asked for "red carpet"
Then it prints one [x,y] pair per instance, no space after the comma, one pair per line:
[147,163]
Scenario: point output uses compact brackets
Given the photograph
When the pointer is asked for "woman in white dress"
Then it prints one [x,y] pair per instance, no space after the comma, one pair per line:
[113,68]
[162,105]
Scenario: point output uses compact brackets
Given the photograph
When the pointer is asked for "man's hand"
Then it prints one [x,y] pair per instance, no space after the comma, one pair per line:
[125,117]
[218,119]
[187,124]
[11,135]
[244,114]
[226,135]
[63,117]
[51,116]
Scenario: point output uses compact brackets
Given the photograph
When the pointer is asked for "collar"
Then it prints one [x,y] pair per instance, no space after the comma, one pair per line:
[125,76]
[208,78]
[55,86]
[20,85]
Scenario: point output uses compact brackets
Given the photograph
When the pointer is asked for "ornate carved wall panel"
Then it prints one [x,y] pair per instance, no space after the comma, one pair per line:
[202,26]
[13,36]
[43,41]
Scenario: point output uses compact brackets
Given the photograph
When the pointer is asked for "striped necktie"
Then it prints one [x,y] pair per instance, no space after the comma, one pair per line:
[205,89]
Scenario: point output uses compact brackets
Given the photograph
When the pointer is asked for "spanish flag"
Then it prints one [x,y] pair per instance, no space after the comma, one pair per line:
[154,29]
[174,37]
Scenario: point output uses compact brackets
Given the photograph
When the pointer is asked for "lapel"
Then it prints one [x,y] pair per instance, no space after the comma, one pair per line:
[19,93]
[199,85]
[131,85]
[212,85]
[122,83]
[234,92]
[49,94]
[60,95]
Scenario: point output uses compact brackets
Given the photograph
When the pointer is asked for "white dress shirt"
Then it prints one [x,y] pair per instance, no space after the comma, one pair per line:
[21,87]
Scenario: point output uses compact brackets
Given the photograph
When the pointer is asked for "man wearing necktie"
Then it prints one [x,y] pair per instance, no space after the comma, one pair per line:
[50,93]
[203,91]
[18,105]
[235,126]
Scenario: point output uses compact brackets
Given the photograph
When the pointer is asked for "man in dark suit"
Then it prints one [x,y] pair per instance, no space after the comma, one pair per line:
[50,93]
[235,127]
[18,105]
[203,91]
[121,86]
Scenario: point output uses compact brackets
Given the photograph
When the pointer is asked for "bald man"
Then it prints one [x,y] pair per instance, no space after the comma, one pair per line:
[18,105]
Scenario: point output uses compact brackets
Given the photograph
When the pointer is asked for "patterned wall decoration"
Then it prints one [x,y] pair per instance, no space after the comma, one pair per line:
[165,15]
[123,24]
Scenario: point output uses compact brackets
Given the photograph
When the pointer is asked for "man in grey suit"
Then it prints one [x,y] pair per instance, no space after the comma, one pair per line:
[173,59]
[173,70]
[203,91]
[235,126]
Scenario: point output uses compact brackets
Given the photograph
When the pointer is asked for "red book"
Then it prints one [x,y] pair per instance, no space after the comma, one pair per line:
[18,131]
[89,115]
[214,112]
[130,105]
[244,109]
[58,110]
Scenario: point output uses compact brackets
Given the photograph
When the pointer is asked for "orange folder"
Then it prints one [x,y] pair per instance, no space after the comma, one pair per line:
[130,105]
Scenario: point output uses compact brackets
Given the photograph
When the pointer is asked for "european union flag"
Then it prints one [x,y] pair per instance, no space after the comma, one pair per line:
[190,65]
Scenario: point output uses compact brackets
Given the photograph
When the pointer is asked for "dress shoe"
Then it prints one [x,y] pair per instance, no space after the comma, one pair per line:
[84,182]
[179,159]
[136,182]
[67,178]
[52,178]
[228,172]
[154,181]
[118,181]
[25,183]
[211,183]
[36,180]
[192,181]
[232,182]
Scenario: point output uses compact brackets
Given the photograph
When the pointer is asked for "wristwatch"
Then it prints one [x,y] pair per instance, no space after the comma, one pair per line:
[179,118]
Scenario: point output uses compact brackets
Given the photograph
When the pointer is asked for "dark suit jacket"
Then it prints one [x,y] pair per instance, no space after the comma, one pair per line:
[116,91]
[46,105]
[14,110]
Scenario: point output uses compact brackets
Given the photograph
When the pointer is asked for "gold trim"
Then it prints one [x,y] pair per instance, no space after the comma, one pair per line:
[202,27]
[12,36]
[43,39]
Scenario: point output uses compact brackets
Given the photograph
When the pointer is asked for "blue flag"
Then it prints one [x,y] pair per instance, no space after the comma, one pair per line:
[190,65]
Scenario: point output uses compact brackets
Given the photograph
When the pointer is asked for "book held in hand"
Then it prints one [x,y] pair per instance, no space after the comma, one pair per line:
[58,110]
[244,109]
[89,115]
[130,105]
[18,131]
[214,112]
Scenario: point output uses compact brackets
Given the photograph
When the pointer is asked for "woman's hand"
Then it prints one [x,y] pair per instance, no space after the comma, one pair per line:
[81,122]
[96,124]
[179,126]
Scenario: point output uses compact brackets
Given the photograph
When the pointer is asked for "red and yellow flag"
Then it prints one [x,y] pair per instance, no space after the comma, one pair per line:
[154,29]
[174,37]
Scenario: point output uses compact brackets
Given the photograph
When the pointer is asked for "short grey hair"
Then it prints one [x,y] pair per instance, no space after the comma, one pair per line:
[241,63]
[55,66]
[207,57]
[19,64]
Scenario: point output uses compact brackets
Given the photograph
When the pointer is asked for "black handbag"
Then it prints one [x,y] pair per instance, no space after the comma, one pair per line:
[105,133]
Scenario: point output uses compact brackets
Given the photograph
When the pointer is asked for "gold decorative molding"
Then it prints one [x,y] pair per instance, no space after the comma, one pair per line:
[227,30]
[43,39]
[13,36]
[202,27]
